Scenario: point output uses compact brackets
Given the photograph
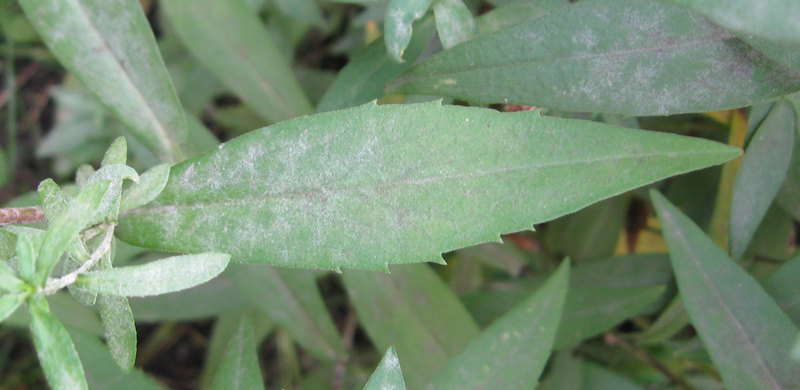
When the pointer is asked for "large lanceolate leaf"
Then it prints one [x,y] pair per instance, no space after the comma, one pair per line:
[616,56]
[109,46]
[372,185]
[228,38]
[511,353]
[772,19]
[412,310]
[743,329]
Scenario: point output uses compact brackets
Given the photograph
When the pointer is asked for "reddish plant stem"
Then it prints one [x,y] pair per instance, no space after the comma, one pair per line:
[21,215]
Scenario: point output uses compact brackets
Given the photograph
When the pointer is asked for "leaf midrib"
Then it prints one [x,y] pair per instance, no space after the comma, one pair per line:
[418,181]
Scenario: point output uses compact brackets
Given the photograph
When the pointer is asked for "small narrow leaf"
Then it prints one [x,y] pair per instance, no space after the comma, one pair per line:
[388,375]
[240,368]
[110,47]
[151,183]
[625,56]
[9,304]
[117,153]
[417,180]
[51,198]
[9,281]
[26,257]
[771,19]
[400,14]
[453,21]
[747,335]
[512,352]
[80,212]
[412,310]
[244,58]
[158,277]
[364,77]
[57,354]
[290,298]
[120,330]
[760,175]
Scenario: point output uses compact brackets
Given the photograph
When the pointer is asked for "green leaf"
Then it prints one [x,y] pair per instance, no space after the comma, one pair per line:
[120,330]
[57,354]
[114,174]
[590,311]
[671,321]
[775,20]
[623,57]
[304,10]
[226,325]
[117,153]
[110,47]
[512,352]
[240,368]
[414,311]
[51,198]
[628,271]
[743,329]
[244,58]
[783,288]
[388,374]
[200,302]
[373,185]
[291,299]
[400,14]
[364,77]
[516,13]
[101,371]
[597,377]
[9,304]
[68,311]
[26,257]
[760,175]
[507,257]
[454,22]
[158,277]
[9,281]
[563,373]
[591,233]
[80,212]
[151,183]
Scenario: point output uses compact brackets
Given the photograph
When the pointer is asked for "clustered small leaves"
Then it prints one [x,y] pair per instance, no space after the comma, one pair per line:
[82,219]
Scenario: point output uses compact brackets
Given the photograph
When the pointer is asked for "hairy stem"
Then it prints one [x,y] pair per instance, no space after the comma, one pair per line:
[21,215]
[53,285]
